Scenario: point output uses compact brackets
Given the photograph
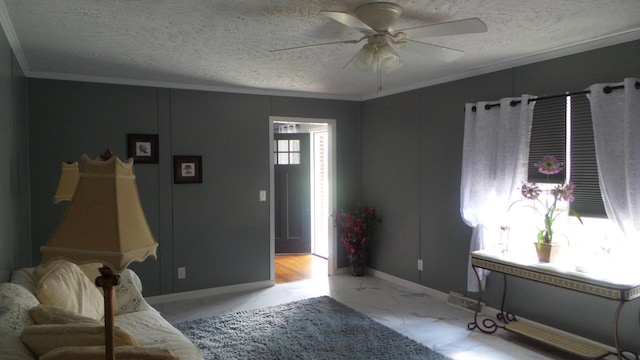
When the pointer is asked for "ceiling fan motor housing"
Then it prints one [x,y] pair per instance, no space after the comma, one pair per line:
[380,16]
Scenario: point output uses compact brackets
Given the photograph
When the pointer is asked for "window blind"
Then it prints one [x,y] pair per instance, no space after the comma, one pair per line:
[584,169]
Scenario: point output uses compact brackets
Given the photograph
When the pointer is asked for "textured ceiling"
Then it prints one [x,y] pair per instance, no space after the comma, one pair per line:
[225,44]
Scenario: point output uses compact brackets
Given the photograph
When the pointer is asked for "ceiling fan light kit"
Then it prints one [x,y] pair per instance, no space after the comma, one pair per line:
[377,54]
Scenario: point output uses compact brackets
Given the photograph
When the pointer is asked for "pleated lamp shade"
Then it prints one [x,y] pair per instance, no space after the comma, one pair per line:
[68,181]
[104,222]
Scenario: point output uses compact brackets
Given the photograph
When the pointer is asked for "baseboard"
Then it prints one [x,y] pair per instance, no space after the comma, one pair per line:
[408,284]
[160,299]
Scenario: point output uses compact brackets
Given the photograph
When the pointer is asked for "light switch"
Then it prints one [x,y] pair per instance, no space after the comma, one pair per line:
[262,195]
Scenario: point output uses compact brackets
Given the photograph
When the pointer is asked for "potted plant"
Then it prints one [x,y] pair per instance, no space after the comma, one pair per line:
[355,222]
[546,247]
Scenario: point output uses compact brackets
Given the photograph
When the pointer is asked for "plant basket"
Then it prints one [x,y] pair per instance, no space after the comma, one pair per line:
[547,252]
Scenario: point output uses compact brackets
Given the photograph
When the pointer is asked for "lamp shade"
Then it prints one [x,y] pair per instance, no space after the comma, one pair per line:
[377,55]
[365,59]
[68,181]
[388,60]
[104,222]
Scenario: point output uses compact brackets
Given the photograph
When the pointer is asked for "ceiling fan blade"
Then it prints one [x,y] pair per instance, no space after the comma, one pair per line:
[458,27]
[432,51]
[321,44]
[348,20]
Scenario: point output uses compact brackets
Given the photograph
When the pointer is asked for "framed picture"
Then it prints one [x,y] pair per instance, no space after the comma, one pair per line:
[143,148]
[187,169]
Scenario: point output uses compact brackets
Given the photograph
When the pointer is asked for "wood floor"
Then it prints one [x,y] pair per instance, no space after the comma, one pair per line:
[291,268]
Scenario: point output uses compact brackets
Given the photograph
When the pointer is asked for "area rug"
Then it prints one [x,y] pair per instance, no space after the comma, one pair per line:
[316,328]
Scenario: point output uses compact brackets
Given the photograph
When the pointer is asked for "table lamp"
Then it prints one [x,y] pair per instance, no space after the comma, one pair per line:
[68,181]
[104,223]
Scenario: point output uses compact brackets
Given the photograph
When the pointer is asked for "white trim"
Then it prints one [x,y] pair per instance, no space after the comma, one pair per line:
[408,284]
[319,129]
[183,86]
[587,45]
[272,207]
[332,263]
[9,31]
[577,48]
[189,295]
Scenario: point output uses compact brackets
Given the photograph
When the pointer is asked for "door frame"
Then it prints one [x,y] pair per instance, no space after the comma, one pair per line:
[332,264]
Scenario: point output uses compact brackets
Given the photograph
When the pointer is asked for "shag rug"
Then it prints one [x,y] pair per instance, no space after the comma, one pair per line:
[317,328]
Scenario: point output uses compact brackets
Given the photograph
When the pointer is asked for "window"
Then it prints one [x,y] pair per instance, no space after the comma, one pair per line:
[287,152]
[562,127]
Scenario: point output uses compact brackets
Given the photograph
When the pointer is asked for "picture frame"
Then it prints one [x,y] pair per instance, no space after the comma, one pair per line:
[143,148]
[187,169]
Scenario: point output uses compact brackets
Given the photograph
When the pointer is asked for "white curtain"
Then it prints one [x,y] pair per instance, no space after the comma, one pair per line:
[616,131]
[494,164]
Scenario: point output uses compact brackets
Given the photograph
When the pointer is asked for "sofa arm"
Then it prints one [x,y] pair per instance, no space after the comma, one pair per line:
[15,302]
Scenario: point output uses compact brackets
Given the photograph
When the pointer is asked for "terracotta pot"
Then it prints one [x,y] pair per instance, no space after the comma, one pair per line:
[547,252]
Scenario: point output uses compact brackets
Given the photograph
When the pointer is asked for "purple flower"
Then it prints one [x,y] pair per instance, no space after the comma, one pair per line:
[564,192]
[549,165]
[530,191]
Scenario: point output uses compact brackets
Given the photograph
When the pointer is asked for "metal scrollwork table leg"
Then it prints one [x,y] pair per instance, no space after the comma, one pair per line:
[487,326]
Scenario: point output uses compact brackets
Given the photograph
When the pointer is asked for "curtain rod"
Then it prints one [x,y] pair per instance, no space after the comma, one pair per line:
[607,89]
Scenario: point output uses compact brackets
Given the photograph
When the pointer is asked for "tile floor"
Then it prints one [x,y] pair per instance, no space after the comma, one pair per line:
[418,315]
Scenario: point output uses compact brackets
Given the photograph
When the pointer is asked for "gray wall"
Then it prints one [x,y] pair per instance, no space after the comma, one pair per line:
[14,192]
[411,161]
[217,230]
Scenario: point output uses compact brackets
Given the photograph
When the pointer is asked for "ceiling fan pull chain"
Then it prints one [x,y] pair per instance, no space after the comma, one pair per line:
[379,77]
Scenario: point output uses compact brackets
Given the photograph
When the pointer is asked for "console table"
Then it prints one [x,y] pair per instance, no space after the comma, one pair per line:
[615,289]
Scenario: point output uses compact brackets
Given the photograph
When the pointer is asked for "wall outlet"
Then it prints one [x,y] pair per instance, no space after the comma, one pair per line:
[182,273]
[420,264]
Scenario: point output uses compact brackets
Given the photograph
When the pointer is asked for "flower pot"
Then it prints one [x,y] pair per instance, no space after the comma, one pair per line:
[357,265]
[547,252]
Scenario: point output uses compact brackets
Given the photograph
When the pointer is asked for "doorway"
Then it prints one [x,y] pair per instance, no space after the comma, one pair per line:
[317,193]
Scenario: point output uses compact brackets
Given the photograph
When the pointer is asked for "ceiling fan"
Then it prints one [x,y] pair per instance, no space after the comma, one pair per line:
[376,21]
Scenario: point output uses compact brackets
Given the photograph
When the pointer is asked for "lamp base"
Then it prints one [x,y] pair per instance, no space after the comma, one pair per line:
[107,281]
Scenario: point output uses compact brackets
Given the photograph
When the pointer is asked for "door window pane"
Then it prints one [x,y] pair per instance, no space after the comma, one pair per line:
[283,158]
[283,145]
[295,158]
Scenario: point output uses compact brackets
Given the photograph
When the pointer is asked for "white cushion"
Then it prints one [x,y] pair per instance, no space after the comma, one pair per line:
[152,330]
[25,277]
[15,302]
[50,314]
[128,295]
[63,284]
[121,352]
[43,338]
